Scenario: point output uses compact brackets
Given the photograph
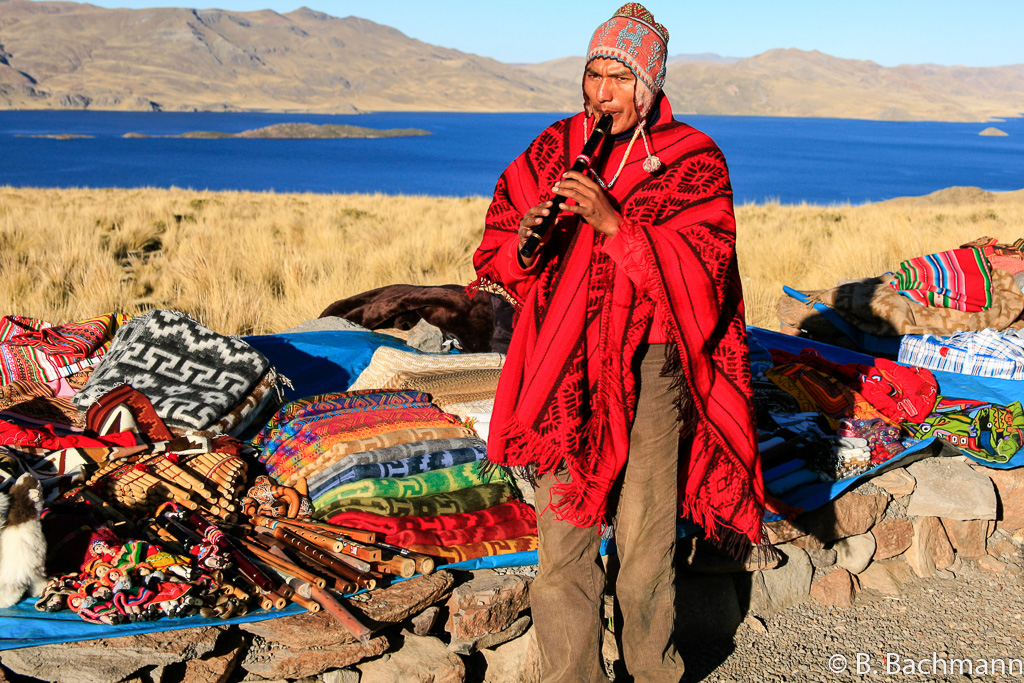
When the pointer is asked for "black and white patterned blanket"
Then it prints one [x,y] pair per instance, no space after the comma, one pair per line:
[192,375]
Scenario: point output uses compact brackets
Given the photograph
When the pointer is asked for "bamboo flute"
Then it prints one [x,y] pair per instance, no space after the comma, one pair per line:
[322,528]
[335,545]
[400,566]
[274,599]
[339,612]
[310,604]
[355,563]
[361,579]
[425,564]
[283,564]
[332,579]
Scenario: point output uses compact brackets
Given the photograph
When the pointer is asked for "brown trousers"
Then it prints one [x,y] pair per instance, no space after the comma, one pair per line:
[567,595]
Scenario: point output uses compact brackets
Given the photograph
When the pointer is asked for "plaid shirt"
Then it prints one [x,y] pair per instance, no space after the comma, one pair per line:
[987,353]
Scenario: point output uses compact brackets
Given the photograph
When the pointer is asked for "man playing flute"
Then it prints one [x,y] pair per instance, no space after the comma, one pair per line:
[626,392]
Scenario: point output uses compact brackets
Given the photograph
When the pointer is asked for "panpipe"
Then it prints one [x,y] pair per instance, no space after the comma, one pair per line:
[140,482]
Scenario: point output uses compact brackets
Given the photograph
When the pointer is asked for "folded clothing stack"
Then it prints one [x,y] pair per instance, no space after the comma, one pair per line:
[196,379]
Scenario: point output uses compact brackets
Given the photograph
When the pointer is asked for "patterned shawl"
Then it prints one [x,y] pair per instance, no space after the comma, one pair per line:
[567,393]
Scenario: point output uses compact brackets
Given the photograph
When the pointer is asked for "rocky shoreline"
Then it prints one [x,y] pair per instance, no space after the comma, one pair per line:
[298,131]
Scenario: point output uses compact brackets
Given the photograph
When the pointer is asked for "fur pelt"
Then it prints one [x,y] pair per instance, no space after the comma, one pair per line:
[472,321]
[22,544]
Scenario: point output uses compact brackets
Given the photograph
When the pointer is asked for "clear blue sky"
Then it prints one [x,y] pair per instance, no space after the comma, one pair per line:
[889,32]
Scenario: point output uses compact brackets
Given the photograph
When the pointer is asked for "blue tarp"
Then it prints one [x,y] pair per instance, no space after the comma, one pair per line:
[815,493]
[321,362]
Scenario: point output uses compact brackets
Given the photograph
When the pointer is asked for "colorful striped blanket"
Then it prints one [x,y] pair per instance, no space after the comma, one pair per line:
[37,351]
[406,467]
[960,279]
[472,499]
[319,444]
[401,451]
[456,478]
[328,404]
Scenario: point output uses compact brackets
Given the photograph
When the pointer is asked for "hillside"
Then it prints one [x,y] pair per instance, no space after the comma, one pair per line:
[65,55]
[799,83]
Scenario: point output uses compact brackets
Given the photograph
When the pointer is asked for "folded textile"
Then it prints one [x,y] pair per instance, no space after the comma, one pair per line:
[959,278]
[855,390]
[460,386]
[264,396]
[817,390]
[318,444]
[395,453]
[44,402]
[465,500]
[428,462]
[192,375]
[898,392]
[470,551]
[984,353]
[390,368]
[37,351]
[125,409]
[873,306]
[472,534]
[455,478]
[1009,257]
[293,419]
[490,516]
[13,434]
[402,306]
[326,404]
[985,430]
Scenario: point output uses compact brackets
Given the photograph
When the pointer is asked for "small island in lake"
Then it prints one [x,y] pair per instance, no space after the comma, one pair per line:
[59,136]
[300,131]
[992,131]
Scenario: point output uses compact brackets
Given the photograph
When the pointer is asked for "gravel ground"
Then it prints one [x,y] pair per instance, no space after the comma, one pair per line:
[975,615]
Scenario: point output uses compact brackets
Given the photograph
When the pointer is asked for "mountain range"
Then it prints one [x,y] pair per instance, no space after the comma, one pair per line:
[67,55]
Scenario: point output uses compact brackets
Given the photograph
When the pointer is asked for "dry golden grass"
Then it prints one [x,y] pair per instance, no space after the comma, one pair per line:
[253,263]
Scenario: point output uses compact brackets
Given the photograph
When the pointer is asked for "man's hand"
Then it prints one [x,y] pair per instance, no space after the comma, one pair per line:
[531,219]
[592,203]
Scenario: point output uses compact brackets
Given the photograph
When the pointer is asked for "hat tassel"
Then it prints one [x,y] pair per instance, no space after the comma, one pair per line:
[652,163]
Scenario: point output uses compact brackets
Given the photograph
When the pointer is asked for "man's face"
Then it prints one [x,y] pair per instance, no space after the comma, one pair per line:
[608,86]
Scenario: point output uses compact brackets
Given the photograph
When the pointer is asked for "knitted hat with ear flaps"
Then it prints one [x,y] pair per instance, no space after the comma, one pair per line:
[632,37]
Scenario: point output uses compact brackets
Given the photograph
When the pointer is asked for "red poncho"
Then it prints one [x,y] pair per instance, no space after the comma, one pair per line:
[567,392]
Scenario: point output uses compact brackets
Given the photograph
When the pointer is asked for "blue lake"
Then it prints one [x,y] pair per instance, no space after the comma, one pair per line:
[787,159]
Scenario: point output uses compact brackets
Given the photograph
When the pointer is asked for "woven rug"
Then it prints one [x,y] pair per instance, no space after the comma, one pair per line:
[496,514]
[326,404]
[192,375]
[470,551]
[306,452]
[390,367]
[338,409]
[453,387]
[467,500]
[501,531]
[37,351]
[418,464]
[455,478]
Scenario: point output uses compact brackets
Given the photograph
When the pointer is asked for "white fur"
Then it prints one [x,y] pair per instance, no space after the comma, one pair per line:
[22,552]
